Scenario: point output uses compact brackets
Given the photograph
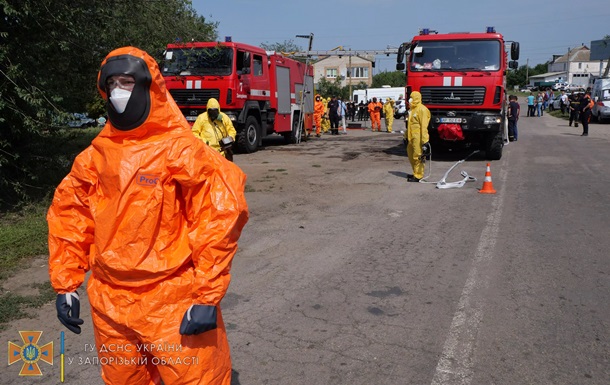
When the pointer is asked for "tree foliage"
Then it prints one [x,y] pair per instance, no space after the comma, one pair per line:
[328,89]
[606,41]
[288,46]
[519,77]
[389,78]
[50,52]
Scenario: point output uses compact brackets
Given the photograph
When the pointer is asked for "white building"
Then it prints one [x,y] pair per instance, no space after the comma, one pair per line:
[575,67]
[332,66]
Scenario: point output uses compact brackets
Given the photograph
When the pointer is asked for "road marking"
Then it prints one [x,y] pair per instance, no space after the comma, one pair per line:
[456,364]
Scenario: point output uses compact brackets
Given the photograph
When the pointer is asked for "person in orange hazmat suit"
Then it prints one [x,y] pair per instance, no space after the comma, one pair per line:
[318,110]
[216,129]
[416,135]
[375,114]
[155,215]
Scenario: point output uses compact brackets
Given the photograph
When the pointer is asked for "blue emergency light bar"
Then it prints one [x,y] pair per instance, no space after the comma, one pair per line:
[491,29]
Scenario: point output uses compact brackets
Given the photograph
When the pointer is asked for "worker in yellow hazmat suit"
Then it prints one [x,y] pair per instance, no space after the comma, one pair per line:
[388,112]
[325,117]
[155,215]
[417,135]
[215,129]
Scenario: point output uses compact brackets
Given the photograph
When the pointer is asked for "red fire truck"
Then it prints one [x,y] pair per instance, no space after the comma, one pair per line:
[462,79]
[262,92]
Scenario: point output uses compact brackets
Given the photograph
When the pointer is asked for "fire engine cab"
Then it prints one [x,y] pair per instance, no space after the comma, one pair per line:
[262,92]
[462,79]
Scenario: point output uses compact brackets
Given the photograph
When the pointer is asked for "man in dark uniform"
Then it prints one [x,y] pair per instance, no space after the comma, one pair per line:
[585,112]
[574,108]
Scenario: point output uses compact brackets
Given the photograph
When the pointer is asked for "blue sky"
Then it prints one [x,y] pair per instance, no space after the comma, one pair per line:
[542,27]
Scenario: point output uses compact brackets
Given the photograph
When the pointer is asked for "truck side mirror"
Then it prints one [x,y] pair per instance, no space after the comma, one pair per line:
[514,51]
[401,54]
[400,67]
[513,64]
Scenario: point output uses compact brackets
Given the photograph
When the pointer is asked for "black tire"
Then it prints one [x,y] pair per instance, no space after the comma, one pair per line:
[247,139]
[493,149]
[291,137]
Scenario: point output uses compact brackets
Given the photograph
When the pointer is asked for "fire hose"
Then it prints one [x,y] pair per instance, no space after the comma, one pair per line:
[443,184]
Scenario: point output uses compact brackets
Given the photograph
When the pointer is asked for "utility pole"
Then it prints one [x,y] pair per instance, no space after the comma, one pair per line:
[527,72]
[349,75]
[568,68]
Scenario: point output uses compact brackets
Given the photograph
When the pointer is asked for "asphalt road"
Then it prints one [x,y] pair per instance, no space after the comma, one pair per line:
[347,274]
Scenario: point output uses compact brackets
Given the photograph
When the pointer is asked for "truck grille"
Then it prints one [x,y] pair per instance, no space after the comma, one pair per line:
[194,97]
[452,96]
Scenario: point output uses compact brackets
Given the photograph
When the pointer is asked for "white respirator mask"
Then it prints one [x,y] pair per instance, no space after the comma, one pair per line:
[410,100]
[119,98]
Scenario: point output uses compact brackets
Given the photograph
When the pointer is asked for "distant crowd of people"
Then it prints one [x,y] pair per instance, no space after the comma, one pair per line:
[332,113]
[577,104]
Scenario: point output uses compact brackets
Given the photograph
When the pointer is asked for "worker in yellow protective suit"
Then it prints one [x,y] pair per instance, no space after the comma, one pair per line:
[325,117]
[374,108]
[417,135]
[318,111]
[388,112]
[154,215]
[216,129]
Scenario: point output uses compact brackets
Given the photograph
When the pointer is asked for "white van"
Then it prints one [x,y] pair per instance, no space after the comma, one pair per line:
[601,96]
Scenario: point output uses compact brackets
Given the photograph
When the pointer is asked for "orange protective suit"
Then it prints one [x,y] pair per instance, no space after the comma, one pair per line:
[318,110]
[155,215]
[375,108]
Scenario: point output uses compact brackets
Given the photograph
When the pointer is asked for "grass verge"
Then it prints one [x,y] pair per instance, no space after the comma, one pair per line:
[14,306]
[23,235]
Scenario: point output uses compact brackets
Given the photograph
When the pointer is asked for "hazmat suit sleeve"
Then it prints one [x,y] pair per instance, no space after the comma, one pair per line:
[213,189]
[198,128]
[419,118]
[425,121]
[71,227]
[228,125]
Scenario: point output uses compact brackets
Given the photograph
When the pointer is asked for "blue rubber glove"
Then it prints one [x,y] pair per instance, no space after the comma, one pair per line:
[198,319]
[68,311]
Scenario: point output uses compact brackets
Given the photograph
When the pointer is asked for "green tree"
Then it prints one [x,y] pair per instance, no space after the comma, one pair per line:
[329,89]
[517,77]
[50,52]
[287,47]
[390,78]
[607,70]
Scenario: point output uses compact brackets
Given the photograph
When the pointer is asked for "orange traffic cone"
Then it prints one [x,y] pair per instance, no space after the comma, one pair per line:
[488,187]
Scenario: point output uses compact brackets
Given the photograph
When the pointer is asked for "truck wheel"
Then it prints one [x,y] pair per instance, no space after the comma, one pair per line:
[493,151]
[247,139]
[291,137]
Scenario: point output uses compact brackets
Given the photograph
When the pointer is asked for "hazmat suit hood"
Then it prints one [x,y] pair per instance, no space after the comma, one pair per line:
[150,104]
[213,104]
[415,99]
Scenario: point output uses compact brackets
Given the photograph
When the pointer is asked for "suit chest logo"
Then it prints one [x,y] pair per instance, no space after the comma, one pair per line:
[147,180]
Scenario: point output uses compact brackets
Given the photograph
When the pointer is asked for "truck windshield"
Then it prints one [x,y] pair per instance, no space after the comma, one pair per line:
[198,61]
[465,55]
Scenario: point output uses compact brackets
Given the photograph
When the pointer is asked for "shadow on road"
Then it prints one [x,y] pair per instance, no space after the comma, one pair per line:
[399,174]
[235,377]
